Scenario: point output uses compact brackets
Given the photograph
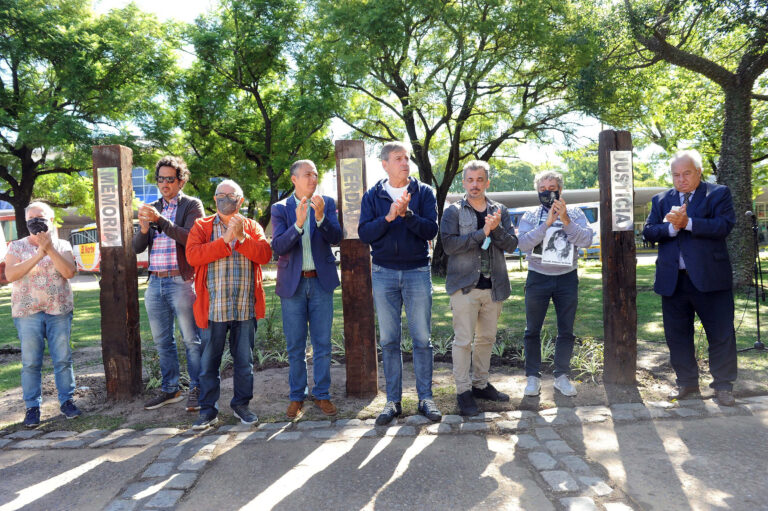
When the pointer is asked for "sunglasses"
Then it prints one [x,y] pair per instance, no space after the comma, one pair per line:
[166,179]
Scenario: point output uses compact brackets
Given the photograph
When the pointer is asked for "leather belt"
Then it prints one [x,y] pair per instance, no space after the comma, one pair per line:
[309,274]
[166,274]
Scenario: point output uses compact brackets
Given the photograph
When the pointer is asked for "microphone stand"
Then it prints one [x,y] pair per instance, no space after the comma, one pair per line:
[758,275]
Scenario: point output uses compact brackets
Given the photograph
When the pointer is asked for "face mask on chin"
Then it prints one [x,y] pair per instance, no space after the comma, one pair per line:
[226,206]
[547,198]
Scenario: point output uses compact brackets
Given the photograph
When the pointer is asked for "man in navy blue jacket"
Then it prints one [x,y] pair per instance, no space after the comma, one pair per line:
[693,274]
[398,218]
[304,226]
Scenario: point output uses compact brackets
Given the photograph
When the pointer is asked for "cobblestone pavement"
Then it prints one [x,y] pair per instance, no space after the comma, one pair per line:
[167,468]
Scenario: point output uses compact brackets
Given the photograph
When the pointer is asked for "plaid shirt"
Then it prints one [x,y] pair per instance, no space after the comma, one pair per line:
[163,254]
[230,283]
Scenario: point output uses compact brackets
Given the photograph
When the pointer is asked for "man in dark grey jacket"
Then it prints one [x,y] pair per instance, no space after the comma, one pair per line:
[476,232]
[164,227]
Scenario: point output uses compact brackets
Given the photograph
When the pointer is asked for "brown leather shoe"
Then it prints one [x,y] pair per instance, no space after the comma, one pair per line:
[725,397]
[683,392]
[294,409]
[326,407]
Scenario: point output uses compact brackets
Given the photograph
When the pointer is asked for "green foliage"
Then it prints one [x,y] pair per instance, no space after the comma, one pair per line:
[457,80]
[68,80]
[253,103]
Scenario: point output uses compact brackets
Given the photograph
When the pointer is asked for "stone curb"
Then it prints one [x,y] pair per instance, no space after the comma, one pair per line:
[514,422]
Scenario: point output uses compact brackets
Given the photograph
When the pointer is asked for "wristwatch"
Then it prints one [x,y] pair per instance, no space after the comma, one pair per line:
[408,213]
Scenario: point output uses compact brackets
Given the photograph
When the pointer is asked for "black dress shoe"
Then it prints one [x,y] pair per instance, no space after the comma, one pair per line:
[490,393]
[467,404]
[725,397]
[683,392]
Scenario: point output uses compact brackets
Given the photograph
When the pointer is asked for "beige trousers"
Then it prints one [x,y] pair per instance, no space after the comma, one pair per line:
[475,317]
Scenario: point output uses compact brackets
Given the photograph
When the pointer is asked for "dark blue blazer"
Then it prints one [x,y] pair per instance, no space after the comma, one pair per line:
[286,242]
[704,249]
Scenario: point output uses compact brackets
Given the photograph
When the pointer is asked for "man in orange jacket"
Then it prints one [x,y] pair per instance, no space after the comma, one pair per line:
[227,251]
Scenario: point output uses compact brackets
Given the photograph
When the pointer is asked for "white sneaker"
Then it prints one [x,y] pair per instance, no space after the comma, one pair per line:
[533,387]
[564,385]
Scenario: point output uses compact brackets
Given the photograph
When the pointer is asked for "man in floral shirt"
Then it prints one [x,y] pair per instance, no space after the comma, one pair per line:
[40,266]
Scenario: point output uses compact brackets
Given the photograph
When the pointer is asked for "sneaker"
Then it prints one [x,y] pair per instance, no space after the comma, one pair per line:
[162,399]
[204,422]
[428,409]
[326,407]
[467,404]
[390,411]
[245,415]
[294,410]
[533,387]
[69,410]
[32,417]
[564,385]
[490,393]
[193,399]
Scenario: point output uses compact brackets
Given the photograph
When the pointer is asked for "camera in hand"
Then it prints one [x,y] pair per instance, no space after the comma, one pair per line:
[37,225]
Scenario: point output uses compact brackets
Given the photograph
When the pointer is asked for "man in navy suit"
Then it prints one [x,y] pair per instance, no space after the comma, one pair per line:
[304,226]
[693,274]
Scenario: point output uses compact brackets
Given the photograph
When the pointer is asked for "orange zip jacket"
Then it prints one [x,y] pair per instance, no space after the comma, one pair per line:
[201,252]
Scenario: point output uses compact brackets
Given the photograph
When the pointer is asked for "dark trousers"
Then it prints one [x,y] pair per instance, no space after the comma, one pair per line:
[214,338]
[563,291]
[715,310]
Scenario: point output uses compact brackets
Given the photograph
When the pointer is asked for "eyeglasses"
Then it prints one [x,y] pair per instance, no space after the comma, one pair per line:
[230,196]
[166,179]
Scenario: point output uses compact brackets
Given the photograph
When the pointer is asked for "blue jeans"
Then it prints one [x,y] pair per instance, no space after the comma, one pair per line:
[241,335]
[165,299]
[563,290]
[391,290]
[314,305]
[33,330]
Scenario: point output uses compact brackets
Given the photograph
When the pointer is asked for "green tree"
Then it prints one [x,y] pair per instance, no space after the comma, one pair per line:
[721,45]
[253,103]
[69,80]
[456,80]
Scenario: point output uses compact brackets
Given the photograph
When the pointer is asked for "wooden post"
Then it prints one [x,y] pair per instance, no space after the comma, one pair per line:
[617,246]
[356,289]
[119,297]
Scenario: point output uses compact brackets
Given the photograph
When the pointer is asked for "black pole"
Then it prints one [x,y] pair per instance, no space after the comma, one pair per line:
[758,278]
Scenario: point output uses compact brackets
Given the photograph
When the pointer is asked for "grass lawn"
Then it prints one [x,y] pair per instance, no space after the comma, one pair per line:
[86,327]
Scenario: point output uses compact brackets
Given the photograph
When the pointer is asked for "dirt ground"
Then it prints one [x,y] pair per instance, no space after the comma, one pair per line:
[654,380]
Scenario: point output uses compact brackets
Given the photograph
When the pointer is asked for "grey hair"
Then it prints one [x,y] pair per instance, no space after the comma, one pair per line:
[47,210]
[391,147]
[298,164]
[238,190]
[476,165]
[546,175]
[691,154]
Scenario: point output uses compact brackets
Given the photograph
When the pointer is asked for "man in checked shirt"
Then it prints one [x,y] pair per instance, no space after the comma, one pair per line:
[164,227]
[227,251]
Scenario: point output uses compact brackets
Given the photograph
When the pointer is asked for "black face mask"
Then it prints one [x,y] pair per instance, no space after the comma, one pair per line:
[37,225]
[548,198]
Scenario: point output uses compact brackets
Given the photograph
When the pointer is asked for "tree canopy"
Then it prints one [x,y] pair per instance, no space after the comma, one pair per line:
[457,80]
[252,104]
[68,80]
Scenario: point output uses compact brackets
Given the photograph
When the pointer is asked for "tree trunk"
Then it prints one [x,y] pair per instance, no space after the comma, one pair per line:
[735,171]
[21,220]
[439,259]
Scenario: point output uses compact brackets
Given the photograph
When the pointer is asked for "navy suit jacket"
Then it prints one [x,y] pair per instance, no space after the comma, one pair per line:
[704,250]
[286,242]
